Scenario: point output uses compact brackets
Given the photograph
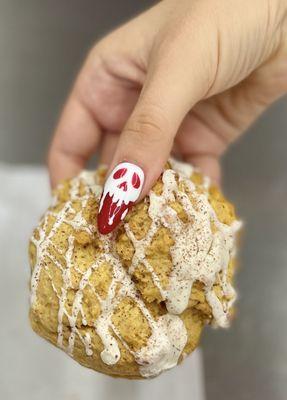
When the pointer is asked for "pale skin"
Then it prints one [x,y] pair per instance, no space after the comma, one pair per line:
[185,77]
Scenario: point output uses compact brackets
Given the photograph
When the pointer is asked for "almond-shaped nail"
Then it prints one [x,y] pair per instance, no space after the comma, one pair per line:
[121,190]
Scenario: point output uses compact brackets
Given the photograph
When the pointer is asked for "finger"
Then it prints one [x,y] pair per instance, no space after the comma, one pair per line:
[208,164]
[215,123]
[199,145]
[148,136]
[108,146]
[75,140]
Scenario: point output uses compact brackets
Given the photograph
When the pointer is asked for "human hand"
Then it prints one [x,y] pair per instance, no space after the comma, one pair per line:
[186,77]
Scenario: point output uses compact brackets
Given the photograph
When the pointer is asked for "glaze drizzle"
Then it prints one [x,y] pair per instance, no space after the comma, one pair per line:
[198,254]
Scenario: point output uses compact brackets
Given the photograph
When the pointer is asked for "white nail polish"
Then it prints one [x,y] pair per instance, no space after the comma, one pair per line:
[121,190]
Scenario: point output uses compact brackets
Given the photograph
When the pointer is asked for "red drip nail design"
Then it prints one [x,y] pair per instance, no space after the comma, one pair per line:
[121,190]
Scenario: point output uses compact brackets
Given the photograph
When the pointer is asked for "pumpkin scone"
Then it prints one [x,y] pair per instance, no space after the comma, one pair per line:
[133,303]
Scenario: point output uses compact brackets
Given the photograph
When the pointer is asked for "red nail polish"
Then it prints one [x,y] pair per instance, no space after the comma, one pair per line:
[121,191]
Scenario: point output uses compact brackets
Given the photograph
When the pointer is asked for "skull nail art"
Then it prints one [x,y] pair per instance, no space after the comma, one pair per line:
[121,190]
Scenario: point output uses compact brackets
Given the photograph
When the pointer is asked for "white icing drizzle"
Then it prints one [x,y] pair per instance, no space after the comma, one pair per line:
[168,337]
[198,254]
[182,168]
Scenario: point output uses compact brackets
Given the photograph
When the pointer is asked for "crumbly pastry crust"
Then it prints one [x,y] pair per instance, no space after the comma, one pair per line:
[133,303]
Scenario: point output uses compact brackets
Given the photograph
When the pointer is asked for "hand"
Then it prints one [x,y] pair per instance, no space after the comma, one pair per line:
[186,77]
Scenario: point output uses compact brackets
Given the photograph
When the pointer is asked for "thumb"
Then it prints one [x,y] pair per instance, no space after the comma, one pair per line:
[146,141]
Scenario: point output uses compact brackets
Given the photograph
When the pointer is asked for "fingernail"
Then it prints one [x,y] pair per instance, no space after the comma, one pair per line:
[121,191]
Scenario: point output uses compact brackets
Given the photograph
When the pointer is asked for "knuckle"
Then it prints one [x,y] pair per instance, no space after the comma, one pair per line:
[147,127]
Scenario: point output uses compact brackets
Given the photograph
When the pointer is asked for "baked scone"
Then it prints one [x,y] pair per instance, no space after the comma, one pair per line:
[133,303]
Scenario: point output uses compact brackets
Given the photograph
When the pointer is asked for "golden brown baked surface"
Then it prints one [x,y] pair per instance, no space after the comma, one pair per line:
[133,303]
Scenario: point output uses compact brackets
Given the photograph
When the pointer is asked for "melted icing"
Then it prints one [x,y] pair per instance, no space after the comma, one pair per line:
[198,254]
